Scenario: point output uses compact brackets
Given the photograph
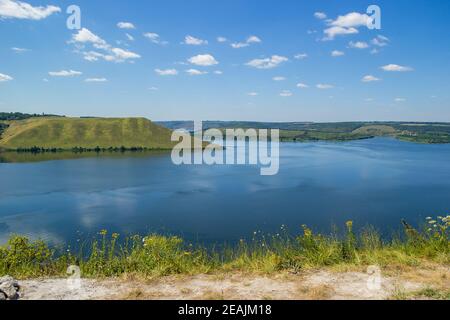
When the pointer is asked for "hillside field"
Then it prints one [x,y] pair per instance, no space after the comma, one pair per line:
[89,133]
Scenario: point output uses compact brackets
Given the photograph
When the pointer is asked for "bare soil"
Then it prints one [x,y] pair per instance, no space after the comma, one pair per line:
[317,285]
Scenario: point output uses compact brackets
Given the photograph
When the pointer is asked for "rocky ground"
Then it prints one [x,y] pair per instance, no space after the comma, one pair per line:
[320,284]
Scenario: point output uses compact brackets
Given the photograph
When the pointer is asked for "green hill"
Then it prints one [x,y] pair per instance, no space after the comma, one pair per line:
[68,133]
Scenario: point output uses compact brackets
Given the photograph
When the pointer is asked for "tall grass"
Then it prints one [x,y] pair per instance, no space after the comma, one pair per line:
[157,255]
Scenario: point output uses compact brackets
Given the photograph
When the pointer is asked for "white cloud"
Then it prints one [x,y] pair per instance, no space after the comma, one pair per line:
[302,85]
[218,72]
[155,38]
[111,54]
[84,35]
[19,50]
[238,45]
[278,78]
[370,78]
[337,53]
[253,94]
[222,39]
[253,39]
[195,72]
[248,42]
[203,60]
[346,24]
[396,68]
[126,25]
[122,54]
[332,32]
[96,80]
[399,99]
[380,41]
[358,45]
[301,56]
[267,63]
[351,20]
[285,93]
[129,37]
[320,15]
[65,73]
[324,86]
[190,40]
[153,88]
[5,77]
[21,10]
[166,72]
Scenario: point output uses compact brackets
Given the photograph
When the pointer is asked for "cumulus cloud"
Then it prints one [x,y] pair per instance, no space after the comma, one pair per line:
[346,24]
[324,86]
[399,99]
[166,72]
[195,72]
[358,45]
[285,93]
[267,63]
[5,77]
[126,25]
[204,60]
[190,40]
[337,53]
[10,9]
[320,15]
[221,39]
[332,32]
[352,19]
[96,80]
[380,41]
[302,85]
[253,94]
[248,42]
[65,73]
[370,78]
[85,36]
[219,72]
[279,78]
[123,54]
[396,68]
[155,38]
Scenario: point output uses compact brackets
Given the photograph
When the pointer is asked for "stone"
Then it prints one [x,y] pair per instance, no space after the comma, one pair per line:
[9,288]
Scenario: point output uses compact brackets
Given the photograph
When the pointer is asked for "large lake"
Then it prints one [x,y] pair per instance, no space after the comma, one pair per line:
[378,182]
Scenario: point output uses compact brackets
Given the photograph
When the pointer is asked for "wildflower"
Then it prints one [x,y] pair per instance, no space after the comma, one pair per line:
[429,218]
[432,222]
[349,225]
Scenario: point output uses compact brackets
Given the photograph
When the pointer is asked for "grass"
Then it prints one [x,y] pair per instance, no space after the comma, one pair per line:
[157,255]
[86,133]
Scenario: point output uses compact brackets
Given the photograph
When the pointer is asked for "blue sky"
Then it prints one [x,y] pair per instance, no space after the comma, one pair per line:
[278,60]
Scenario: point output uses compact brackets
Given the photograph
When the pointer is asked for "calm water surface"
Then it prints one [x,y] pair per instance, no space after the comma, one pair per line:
[377,182]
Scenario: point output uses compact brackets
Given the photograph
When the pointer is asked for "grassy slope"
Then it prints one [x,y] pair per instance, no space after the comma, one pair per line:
[67,133]
[156,255]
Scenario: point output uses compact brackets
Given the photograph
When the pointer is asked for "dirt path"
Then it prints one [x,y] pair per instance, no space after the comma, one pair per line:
[311,285]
